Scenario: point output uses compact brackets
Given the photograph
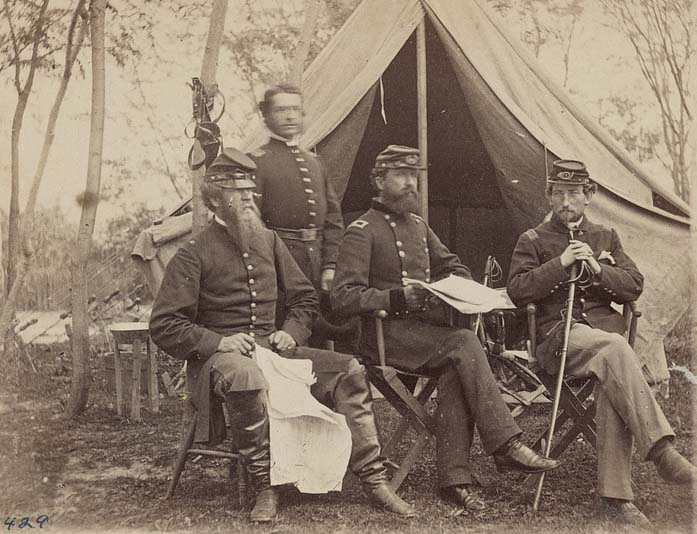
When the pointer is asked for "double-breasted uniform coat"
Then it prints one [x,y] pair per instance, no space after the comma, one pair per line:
[297,200]
[380,250]
[625,406]
[211,289]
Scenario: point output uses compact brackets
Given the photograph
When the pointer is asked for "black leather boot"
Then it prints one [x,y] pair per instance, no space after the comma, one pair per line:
[514,454]
[381,495]
[354,401]
[673,466]
[249,425]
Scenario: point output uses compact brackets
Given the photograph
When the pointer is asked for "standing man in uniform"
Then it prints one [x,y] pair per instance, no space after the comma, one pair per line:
[297,199]
[625,407]
[379,250]
[218,300]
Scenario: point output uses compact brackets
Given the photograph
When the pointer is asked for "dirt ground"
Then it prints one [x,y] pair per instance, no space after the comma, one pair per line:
[105,473]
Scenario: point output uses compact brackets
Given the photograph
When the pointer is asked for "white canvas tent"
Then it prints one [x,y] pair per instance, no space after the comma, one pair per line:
[446,76]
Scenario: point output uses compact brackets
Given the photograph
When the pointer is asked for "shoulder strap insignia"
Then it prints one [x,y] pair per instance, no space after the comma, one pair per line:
[598,227]
[358,223]
[531,234]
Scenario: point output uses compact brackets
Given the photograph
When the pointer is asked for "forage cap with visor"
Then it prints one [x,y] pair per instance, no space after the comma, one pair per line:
[232,169]
[569,171]
[398,157]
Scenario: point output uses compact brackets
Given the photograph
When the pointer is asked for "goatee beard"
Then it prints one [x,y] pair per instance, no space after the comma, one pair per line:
[404,203]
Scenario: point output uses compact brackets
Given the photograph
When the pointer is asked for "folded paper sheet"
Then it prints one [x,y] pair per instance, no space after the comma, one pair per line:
[467,296]
[310,444]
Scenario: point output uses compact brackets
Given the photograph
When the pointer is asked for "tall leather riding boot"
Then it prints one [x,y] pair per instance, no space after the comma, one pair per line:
[352,399]
[249,423]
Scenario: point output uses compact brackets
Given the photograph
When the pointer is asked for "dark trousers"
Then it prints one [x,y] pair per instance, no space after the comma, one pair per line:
[467,397]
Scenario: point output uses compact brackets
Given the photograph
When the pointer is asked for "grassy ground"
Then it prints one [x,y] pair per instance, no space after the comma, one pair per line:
[102,472]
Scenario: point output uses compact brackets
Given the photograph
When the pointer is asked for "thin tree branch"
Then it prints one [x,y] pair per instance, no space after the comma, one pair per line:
[15,46]
[157,137]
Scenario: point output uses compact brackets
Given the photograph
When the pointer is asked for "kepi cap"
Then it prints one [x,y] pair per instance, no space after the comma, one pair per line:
[569,171]
[398,157]
[232,169]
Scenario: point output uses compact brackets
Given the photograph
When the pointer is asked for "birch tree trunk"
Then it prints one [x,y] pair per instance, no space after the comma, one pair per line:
[208,78]
[2,282]
[80,338]
[23,92]
[24,231]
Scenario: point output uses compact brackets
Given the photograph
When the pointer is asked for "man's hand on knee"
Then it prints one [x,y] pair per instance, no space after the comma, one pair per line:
[241,342]
[282,340]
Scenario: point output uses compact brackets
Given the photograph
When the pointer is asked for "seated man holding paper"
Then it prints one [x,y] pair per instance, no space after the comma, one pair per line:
[380,252]
[217,303]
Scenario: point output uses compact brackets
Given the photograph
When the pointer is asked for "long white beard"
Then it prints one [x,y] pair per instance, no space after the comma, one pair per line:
[244,226]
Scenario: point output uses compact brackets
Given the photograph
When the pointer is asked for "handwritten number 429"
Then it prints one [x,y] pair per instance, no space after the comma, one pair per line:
[25,522]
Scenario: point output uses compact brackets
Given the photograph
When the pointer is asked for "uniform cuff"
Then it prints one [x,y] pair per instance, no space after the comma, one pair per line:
[297,331]
[208,344]
[398,301]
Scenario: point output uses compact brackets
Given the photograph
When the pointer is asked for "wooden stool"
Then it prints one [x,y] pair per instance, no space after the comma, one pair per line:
[129,339]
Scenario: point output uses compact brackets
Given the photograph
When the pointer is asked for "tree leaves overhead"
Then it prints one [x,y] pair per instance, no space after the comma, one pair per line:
[652,120]
[129,30]
[24,16]
[660,32]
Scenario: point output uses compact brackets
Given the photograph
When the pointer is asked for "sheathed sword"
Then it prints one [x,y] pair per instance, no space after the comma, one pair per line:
[560,377]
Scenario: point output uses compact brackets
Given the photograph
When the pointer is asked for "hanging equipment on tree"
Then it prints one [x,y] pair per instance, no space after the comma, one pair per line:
[207,138]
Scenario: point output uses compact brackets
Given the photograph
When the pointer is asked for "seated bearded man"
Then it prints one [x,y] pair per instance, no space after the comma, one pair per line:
[380,249]
[218,300]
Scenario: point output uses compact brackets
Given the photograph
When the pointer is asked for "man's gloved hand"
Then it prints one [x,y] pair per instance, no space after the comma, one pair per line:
[240,342]
[282,340]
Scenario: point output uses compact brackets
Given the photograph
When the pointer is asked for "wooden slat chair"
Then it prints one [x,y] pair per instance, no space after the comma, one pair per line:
[398,388]
[236,468]
[575,404]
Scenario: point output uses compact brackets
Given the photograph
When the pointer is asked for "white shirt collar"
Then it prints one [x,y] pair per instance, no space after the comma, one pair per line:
[289,142]
[574,226]
[220,221]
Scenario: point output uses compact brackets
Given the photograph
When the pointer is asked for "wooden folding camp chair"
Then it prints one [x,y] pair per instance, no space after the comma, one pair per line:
[186,449]
[398,388]
[516,382]
[575,404]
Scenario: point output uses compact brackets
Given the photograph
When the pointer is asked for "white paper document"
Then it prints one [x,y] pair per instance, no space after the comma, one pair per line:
[310,444]
[467,296]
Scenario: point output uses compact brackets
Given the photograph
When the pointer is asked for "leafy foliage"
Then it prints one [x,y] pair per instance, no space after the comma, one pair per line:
[23,14]
[660,31]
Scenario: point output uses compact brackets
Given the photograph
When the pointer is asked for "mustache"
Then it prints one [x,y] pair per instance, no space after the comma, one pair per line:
[247,205]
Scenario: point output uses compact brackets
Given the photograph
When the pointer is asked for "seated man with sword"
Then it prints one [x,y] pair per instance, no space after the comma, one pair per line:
[545,261]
